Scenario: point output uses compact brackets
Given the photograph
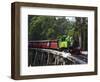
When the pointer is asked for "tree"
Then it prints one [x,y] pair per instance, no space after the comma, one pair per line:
[47,27]
[54,27]
[81,31]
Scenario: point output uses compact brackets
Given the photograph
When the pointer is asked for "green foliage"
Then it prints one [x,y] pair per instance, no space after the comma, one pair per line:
[54,27]
[48,27]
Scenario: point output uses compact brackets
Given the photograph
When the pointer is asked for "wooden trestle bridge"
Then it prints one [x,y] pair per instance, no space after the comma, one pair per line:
[43,57]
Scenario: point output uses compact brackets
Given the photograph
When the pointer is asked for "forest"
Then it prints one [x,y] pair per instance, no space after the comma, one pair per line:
[54,27]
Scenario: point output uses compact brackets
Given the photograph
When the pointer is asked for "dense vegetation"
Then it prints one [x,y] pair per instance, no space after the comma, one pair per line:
[54,27]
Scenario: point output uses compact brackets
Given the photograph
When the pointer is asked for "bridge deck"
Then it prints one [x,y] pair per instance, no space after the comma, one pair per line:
[76,59]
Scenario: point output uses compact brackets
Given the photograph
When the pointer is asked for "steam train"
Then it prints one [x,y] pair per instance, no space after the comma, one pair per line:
[62,45]
[62,42]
